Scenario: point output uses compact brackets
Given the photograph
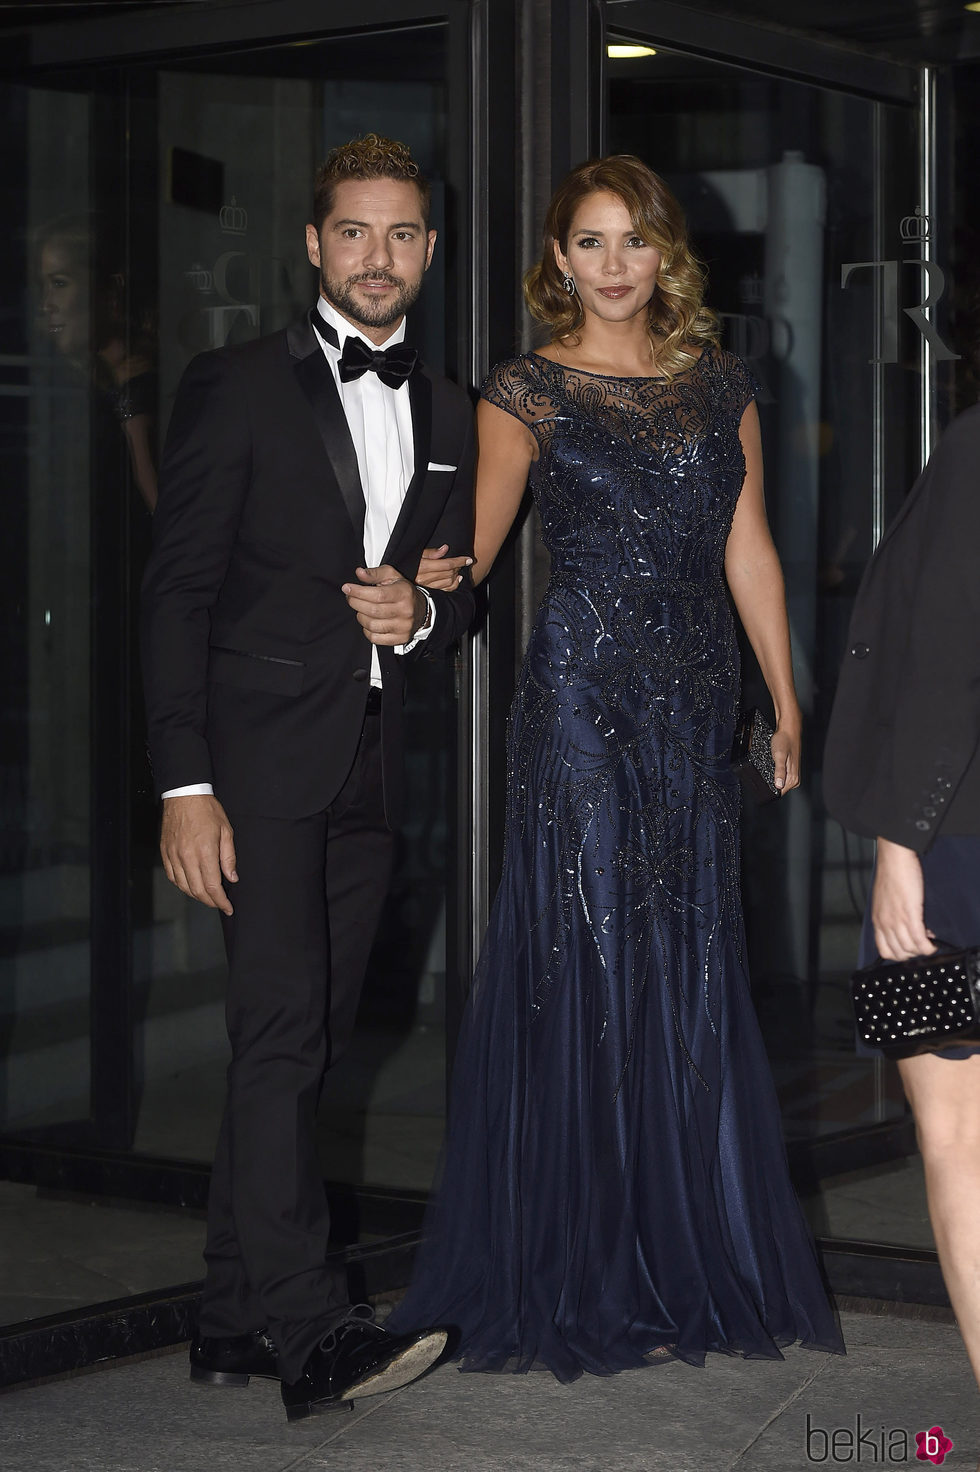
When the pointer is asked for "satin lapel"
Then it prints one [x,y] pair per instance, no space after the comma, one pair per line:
[420,395]
[315,379]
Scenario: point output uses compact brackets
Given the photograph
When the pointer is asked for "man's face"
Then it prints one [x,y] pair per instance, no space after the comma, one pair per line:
[372,252]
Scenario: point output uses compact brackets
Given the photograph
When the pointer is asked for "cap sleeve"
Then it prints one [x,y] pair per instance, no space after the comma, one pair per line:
[510,386]
[740,381]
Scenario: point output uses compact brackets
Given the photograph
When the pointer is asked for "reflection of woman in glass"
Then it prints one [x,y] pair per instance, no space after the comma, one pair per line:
[105,416]
[82,303]
[615,1184]
[903,765]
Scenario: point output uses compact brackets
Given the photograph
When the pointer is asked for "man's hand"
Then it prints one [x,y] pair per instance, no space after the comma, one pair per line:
[389,608]
[897,904]
[197,845]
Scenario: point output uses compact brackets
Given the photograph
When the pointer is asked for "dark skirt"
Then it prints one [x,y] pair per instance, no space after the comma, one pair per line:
[951,870]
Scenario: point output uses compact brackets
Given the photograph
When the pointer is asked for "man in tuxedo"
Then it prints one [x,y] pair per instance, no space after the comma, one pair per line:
[304,474]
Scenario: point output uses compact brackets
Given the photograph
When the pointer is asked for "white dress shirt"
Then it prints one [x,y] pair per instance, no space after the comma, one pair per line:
[380,423]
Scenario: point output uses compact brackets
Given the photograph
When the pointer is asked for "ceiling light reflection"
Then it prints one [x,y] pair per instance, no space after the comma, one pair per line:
[625,53]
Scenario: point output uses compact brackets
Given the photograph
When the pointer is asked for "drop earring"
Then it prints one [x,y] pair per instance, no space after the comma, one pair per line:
[568,283]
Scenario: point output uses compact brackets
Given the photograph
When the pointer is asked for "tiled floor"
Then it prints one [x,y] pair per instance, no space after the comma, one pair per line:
[899,1377]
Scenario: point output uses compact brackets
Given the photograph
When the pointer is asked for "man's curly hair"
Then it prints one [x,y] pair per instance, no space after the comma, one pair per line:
[370,157]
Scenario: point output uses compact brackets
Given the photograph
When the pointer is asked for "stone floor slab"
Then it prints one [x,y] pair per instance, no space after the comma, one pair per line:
[669,1417]
[147,1417]
[899,1377]
[733,1416]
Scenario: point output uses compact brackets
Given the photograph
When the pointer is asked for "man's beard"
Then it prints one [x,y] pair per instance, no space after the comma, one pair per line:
[382,313]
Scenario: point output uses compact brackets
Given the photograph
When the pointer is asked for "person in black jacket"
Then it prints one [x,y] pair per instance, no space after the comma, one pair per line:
[304,474]
[902,765]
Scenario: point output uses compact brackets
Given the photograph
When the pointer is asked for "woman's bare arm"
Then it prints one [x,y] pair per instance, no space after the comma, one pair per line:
[505,450]
[756,581]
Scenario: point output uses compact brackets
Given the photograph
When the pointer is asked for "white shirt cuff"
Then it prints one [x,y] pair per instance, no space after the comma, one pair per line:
[422,634]
[196,789]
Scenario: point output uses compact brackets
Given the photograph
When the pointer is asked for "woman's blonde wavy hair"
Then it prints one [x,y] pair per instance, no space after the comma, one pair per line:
[680,324]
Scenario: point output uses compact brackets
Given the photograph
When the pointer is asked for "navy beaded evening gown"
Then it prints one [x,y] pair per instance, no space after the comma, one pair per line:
[614,1178]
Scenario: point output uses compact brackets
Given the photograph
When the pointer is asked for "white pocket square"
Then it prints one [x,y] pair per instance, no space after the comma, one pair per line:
[434,466]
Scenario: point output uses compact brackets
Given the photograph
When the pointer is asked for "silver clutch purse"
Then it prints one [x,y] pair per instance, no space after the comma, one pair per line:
[752,755]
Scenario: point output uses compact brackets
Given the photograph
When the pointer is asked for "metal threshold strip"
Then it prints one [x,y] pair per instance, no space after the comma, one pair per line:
[889,1275]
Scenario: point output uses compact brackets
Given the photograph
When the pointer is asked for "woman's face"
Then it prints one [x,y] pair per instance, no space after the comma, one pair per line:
[614,269]
[64,299]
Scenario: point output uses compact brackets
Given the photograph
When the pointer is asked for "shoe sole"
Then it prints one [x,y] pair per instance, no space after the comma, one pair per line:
[406,1367]
[413,1361]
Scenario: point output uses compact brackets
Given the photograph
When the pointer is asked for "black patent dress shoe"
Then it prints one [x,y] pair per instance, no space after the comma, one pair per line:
[358,1359]
[234,1360]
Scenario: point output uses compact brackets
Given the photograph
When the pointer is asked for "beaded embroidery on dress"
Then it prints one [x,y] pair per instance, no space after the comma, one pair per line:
[614,1180]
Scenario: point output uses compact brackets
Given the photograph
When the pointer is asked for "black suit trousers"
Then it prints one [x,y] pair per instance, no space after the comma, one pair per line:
[307,905]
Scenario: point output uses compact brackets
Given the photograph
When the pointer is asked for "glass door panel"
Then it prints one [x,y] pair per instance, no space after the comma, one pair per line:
[798,199]
[56,447]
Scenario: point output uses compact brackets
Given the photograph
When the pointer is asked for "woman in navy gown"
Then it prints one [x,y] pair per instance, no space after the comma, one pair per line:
[615,1184]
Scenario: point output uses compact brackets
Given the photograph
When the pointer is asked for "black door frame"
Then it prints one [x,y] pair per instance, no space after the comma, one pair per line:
[763,49]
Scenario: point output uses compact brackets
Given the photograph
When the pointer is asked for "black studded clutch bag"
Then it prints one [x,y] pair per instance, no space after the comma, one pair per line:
[921,1005]
[752,756]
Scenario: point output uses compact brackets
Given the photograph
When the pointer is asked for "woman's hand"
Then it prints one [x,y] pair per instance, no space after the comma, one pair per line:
[436,570]
[898,904]
[785,748]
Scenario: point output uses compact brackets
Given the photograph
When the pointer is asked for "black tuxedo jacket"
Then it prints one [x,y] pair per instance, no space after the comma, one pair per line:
[901,760]
[255,670]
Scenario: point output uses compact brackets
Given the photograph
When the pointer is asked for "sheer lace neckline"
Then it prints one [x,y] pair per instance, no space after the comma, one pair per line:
[621,377]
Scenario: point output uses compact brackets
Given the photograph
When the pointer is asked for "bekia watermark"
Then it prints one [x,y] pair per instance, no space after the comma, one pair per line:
[874,1444]
[932,1445]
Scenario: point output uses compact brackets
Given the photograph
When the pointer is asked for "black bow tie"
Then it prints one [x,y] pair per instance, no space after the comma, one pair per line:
[392,365]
